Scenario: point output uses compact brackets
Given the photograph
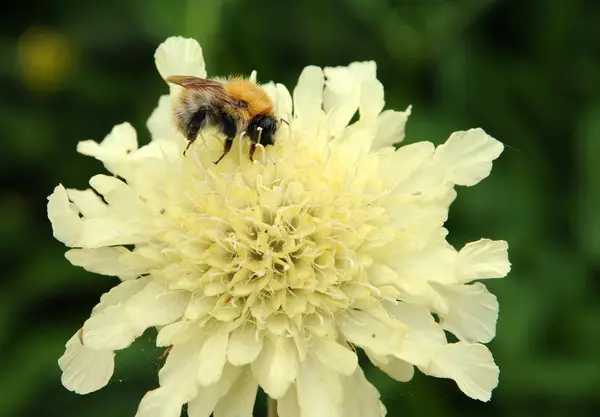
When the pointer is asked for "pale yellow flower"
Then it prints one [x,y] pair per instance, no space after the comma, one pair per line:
[274,272]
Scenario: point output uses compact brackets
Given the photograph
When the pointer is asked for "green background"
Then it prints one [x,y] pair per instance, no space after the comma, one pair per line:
[528,72]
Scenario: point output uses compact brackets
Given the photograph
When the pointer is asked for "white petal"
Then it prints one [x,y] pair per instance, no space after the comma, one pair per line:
[110,330]
[423,337]
[277,366]
[180,369]
[118,145]
[364,330]
[287,406]
[111,231]
[340,97]
[213,357]
[66,224]
[337,357]
[472,314]
[308,94]
[390,128]
[467,156]
[244,345]
[176,333]
[160,402]
[104,261]
[160,124]
[320,391]
[483,259]
[362,398]
[88,203]
[85,370]
[180,56]
[121,293]
[284,104]
[156,305]
[207,398]
[371,100]
[239,401]
[398,166]
[394,367]
[470,365]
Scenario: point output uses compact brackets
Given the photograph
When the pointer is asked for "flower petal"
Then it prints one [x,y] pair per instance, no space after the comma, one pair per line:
[277,366]
[181,367]
[104,261]
[467,156]
[244,345]
[66,224]
[337,357]
[396,368]
[161,402]
[320,391]
[363,399]
[208,397]
[180,56]
[308,94]
[473,312]
[160,124]
[287,406]
[483,259]
[85,370]
[390,128]
[88,203]
[364,330]
[239,401]
[471,366]
[213,357]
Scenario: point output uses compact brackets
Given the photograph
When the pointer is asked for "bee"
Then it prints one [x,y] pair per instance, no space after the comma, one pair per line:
[234,105]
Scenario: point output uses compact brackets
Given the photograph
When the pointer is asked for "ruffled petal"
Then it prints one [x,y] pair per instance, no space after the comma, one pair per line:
[180,56]
[161,402]
[362,398]
[320,391]
[239,401]
[104,261]
[213,356]
[66,224]
[160,124]
[396,368]
[335,356]
[277,366]
[85,370]
[391,126]
[483,259]
[244,345]
[472,313]
[471,366]
[467,156]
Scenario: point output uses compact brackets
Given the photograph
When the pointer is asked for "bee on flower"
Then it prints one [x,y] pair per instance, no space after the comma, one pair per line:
[273,271]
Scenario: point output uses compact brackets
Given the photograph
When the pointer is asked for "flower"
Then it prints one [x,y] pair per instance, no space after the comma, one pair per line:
[273,272]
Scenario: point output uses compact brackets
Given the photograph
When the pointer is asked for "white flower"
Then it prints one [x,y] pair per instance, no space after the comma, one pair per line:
[273,272]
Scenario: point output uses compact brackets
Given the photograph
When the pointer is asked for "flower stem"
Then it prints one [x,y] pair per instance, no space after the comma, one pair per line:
[272,408]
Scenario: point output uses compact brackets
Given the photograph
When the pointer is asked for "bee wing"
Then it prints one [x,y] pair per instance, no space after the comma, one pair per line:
[196,83]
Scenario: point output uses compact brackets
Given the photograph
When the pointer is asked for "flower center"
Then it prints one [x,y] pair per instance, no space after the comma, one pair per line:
[289,238]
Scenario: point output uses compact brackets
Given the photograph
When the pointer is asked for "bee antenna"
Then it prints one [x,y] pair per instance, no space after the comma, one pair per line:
[284,121]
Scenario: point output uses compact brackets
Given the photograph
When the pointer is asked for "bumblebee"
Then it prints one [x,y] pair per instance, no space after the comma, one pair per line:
[235,105]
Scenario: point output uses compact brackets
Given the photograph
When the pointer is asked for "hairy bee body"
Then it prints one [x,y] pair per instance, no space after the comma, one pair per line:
[236,106]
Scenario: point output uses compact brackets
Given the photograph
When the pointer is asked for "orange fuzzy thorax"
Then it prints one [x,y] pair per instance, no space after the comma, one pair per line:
[244,90]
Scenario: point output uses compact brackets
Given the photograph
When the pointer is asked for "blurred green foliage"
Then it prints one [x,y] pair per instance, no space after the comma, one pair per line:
[526,71]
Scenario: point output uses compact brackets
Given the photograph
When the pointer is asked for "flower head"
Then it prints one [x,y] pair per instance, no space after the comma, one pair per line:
[273,272]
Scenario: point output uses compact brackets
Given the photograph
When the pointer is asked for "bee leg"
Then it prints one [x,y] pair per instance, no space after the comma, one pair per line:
[252,149]
[229,128]
[226,149]
[196,123]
